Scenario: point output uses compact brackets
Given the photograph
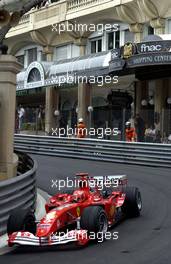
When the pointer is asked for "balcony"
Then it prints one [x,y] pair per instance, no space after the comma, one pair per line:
[40,18]
[77,8]
[60,11]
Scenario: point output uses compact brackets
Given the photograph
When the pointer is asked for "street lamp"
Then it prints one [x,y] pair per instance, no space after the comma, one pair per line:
[90,109]
[151,101]
[144,102]
[169,101]
[56,113]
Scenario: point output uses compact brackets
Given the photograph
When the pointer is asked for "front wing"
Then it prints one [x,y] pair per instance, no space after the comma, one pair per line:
[26,238]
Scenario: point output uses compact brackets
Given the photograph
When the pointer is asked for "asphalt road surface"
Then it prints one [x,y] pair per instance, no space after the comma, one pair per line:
[143,240]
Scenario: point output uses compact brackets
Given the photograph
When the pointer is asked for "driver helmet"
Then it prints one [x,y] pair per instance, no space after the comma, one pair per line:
[79,196]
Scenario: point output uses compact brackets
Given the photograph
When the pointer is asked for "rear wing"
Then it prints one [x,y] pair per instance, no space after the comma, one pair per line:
[109,180]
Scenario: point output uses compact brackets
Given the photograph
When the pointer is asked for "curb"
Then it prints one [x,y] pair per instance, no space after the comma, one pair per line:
[42,197]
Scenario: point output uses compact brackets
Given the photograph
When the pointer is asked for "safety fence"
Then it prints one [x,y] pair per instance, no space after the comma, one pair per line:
[148,154]
[19,191]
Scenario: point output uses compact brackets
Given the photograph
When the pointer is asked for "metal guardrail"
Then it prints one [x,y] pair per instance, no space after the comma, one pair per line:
[19,191]
[148,154]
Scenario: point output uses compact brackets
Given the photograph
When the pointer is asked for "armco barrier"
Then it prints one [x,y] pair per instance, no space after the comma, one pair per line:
[19,191]
[104,150]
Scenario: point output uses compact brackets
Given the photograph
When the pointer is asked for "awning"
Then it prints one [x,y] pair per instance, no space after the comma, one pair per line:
[82,64]
[42,74]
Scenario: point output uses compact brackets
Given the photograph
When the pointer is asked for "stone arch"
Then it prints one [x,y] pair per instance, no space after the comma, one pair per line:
[19,45]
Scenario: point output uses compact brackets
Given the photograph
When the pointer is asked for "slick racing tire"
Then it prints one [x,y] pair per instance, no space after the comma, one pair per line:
[133,204]
[21,220]
[94,219]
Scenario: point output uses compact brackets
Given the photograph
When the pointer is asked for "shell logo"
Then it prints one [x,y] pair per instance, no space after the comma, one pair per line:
[78,211]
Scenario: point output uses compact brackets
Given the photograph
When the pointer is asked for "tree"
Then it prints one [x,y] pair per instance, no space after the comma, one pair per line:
[26,8]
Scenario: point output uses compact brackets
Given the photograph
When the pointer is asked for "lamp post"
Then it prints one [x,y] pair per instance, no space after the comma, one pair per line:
[57,115]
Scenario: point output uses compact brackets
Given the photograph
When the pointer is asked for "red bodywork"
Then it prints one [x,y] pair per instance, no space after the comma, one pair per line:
[64,210]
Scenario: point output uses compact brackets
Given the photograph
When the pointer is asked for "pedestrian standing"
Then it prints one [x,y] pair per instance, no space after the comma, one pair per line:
[140,128]
[16,121]
[21,113]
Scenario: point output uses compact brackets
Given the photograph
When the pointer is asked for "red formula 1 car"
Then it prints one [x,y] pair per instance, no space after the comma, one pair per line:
[72,216]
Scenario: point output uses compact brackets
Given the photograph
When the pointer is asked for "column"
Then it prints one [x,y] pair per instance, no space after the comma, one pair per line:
[52,99]
[159,25]
[141,94]
[137,29]
[84,90]
[52,103]
[9,67]
[159,99]
[84,101]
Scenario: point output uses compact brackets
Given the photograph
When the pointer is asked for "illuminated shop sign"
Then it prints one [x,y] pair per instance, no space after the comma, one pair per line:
[157,46]
[130,49]
[141,54]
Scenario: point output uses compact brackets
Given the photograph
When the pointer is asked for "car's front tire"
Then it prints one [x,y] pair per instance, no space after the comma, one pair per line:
[94,219]
[133,203]
[21,220]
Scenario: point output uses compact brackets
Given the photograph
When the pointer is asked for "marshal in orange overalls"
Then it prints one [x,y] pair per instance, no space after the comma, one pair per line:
[130,134]
[81,129]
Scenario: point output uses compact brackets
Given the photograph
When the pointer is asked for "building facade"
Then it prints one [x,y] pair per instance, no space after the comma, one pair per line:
[87,38]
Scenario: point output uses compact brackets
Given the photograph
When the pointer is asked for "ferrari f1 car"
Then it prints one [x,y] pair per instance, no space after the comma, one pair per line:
[73,214]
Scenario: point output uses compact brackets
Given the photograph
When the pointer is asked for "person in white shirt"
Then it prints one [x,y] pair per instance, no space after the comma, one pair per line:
[21,113]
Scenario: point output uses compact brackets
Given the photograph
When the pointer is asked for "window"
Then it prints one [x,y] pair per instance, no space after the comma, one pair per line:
[62,52]
[34,76]
[32,55]
[20,59]
[150,30]
[113,39]
[75,51]
[129,36]
[96,46]
[43,56]
[169,26]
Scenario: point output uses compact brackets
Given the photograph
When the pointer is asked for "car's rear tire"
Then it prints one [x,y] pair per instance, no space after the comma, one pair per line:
[21,220]
[133,203]
[94,219]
